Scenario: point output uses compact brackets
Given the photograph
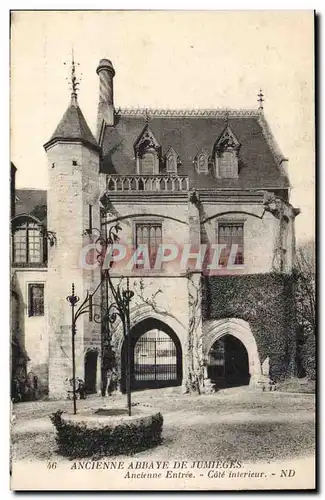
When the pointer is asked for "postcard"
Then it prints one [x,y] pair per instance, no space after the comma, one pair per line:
[162,250]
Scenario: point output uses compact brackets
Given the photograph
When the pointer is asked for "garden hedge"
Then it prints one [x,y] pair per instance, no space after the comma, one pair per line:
[87,435]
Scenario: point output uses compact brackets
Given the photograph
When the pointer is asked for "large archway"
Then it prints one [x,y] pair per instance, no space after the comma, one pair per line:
[156,356]
[231,342]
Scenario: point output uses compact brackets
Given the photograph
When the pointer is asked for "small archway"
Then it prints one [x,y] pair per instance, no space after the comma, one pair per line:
[91,357]
[238,343]
[228,363]
[156,356]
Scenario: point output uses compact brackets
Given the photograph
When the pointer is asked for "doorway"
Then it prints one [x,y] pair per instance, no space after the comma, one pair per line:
[228,363]
[90,371]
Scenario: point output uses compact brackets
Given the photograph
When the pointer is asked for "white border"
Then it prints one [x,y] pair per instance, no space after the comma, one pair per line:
[4,185]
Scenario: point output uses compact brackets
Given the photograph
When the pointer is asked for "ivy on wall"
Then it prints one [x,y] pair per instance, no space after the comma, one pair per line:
[266,302]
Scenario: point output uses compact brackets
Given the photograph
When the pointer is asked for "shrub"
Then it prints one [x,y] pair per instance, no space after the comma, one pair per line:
[79,439]
[298,385]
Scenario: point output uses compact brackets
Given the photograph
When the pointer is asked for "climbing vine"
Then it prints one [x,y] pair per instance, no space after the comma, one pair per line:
[195,362]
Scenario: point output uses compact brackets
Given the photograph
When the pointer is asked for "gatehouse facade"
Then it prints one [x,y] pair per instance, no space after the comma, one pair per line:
[177,180]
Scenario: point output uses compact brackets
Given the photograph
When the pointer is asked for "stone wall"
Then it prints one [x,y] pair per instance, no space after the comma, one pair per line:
[73,180]
[260,232]
[32,330]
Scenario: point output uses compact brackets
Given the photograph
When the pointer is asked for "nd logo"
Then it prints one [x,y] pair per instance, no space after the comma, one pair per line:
[287,473]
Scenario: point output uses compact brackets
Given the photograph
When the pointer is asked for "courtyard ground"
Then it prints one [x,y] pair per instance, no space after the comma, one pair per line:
[235,423]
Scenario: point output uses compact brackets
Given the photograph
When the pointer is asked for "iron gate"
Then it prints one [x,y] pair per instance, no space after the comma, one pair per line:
[155,361]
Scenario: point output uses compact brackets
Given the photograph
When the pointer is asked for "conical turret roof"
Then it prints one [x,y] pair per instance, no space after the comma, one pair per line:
[73,127]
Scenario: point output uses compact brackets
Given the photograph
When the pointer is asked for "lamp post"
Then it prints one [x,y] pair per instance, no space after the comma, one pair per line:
[73,300]
[128,294]
[118,307]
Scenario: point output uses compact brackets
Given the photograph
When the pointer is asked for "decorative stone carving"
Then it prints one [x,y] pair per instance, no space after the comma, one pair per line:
[201,162]
[172,161]
[217,113]
[147,152]
[227,141]
[208,387]
[194,196]
[146,140]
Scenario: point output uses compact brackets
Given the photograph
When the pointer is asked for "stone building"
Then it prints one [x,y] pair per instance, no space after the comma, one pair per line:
[178,182]
[29,341]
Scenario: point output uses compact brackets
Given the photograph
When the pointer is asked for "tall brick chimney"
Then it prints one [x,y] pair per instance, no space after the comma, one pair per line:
[106,74]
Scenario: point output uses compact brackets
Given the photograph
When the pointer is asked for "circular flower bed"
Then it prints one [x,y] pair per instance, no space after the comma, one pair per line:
[107,432]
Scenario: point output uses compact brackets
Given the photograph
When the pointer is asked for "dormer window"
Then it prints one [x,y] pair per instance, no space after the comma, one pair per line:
[227,164]
[202,162]
[171,161]
[147,153]
[148,162]
[226,154]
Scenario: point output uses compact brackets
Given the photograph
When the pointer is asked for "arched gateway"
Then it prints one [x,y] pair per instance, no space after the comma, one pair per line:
[156,356]
[231,352]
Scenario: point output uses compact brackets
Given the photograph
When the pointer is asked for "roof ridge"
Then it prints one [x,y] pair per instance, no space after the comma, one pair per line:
[270,139]
[188,112]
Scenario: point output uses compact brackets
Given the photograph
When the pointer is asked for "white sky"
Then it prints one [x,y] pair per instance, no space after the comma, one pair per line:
[166,60]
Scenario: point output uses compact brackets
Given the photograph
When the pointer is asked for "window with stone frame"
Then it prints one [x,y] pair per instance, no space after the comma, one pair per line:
[231,233]
[150,235]
[27,242]
[36,299]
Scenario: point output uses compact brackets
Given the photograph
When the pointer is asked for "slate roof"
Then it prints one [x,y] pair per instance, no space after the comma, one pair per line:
[73,126]
[188,133]
[32,202]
